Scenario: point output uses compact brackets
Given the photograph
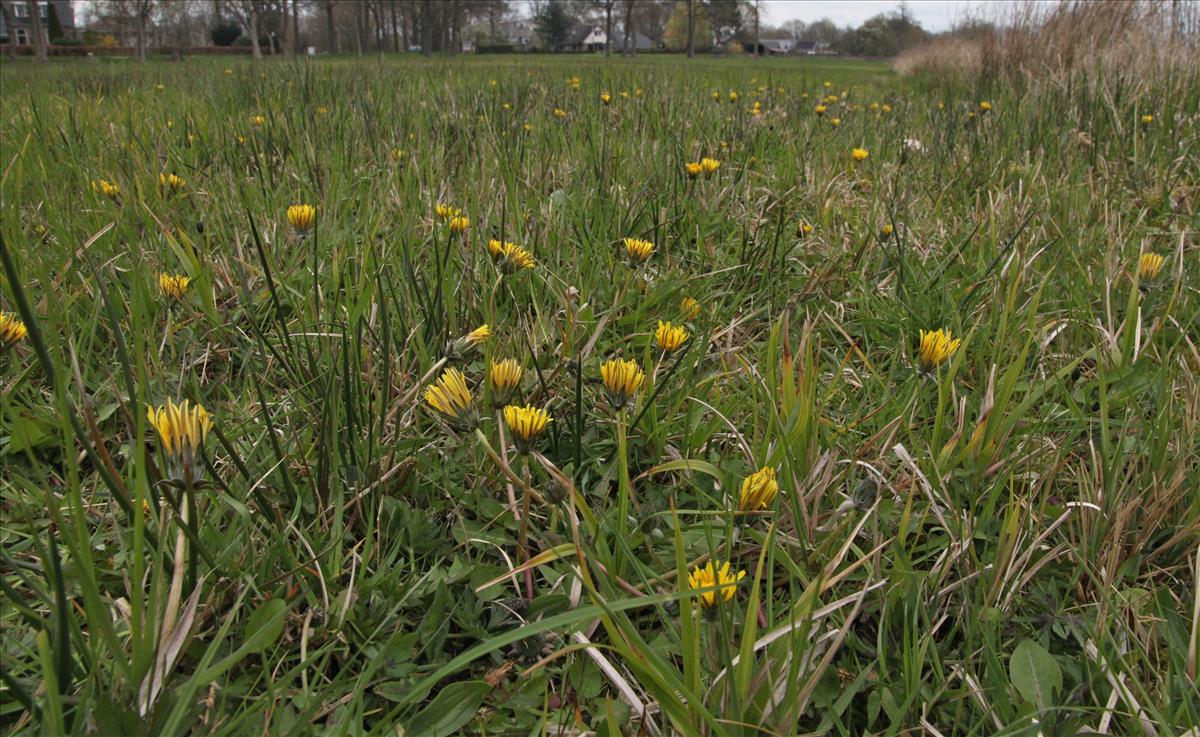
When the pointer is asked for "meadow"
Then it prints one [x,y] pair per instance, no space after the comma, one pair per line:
[586,396]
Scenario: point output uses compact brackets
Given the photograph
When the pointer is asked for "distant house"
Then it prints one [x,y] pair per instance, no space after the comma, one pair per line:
[592,38]
[585,38]
[522,36]
[637,41]
[21,33]
[812,48]
[775,46]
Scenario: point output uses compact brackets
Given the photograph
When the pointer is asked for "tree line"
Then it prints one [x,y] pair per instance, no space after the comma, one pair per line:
[285,27]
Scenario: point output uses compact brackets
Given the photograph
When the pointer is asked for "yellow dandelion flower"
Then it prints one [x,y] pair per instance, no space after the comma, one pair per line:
[1147,119]
[322,110]
[450,396]
[689,308]
[758,490]
[479,335]
[517,258]
[12,330]
[622,380]
[498,248]
[733,96]
[1149,265]
[716,96]
[693,168]
[835,122]
[106,188]
[709,165]
[886,230]
[510,257]
[715,576]
[505,375]
[459,224]
[860,154]
[605,98]
[173,285]
[257,121]
[804,228]
[937,346]
[302,217]
[396,154]
[560,113]
[446,212]
[670,337]
[181,428]
[820,109]
[886,108]
[985,106]
[526,423]
[228,72]
[638,250]
[171,182]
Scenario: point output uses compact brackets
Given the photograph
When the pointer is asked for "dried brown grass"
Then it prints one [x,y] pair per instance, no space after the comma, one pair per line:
[1034,40]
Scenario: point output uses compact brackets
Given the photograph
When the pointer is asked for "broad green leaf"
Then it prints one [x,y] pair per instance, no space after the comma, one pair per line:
[454,706]
[1035,673]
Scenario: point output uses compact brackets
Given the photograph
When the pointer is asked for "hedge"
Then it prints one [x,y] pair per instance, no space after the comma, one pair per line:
[57,50]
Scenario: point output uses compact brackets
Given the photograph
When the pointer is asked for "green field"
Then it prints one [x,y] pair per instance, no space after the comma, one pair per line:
[999,537]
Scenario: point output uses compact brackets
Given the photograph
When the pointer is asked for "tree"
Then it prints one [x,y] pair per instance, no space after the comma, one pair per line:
[757,9]
[225,34]
[39,39]
[629,34]
[676,33]
[54,25]
[331,44]
[886,34]
[552,25]
[824,31]
[607,7]
[726,19]
[691,29]
[6,11]
[795,29]
[650,16]
[247,14]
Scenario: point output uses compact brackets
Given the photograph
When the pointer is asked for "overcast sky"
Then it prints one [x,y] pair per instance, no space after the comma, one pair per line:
[933,15]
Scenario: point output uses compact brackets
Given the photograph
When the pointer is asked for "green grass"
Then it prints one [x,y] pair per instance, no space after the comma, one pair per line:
[1011,538]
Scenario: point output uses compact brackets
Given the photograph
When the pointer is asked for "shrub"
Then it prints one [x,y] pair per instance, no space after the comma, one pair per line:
[225,34]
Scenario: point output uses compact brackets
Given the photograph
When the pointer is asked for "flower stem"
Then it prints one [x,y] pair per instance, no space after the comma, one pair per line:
[623,486]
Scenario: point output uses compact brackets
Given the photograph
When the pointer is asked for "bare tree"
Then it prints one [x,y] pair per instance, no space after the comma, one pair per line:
[607,6]
[289,39]
[395,26]
[757,20]
[39,39]
[246,12]
[330,29]
[8,23]
[627,27]
[427,27]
